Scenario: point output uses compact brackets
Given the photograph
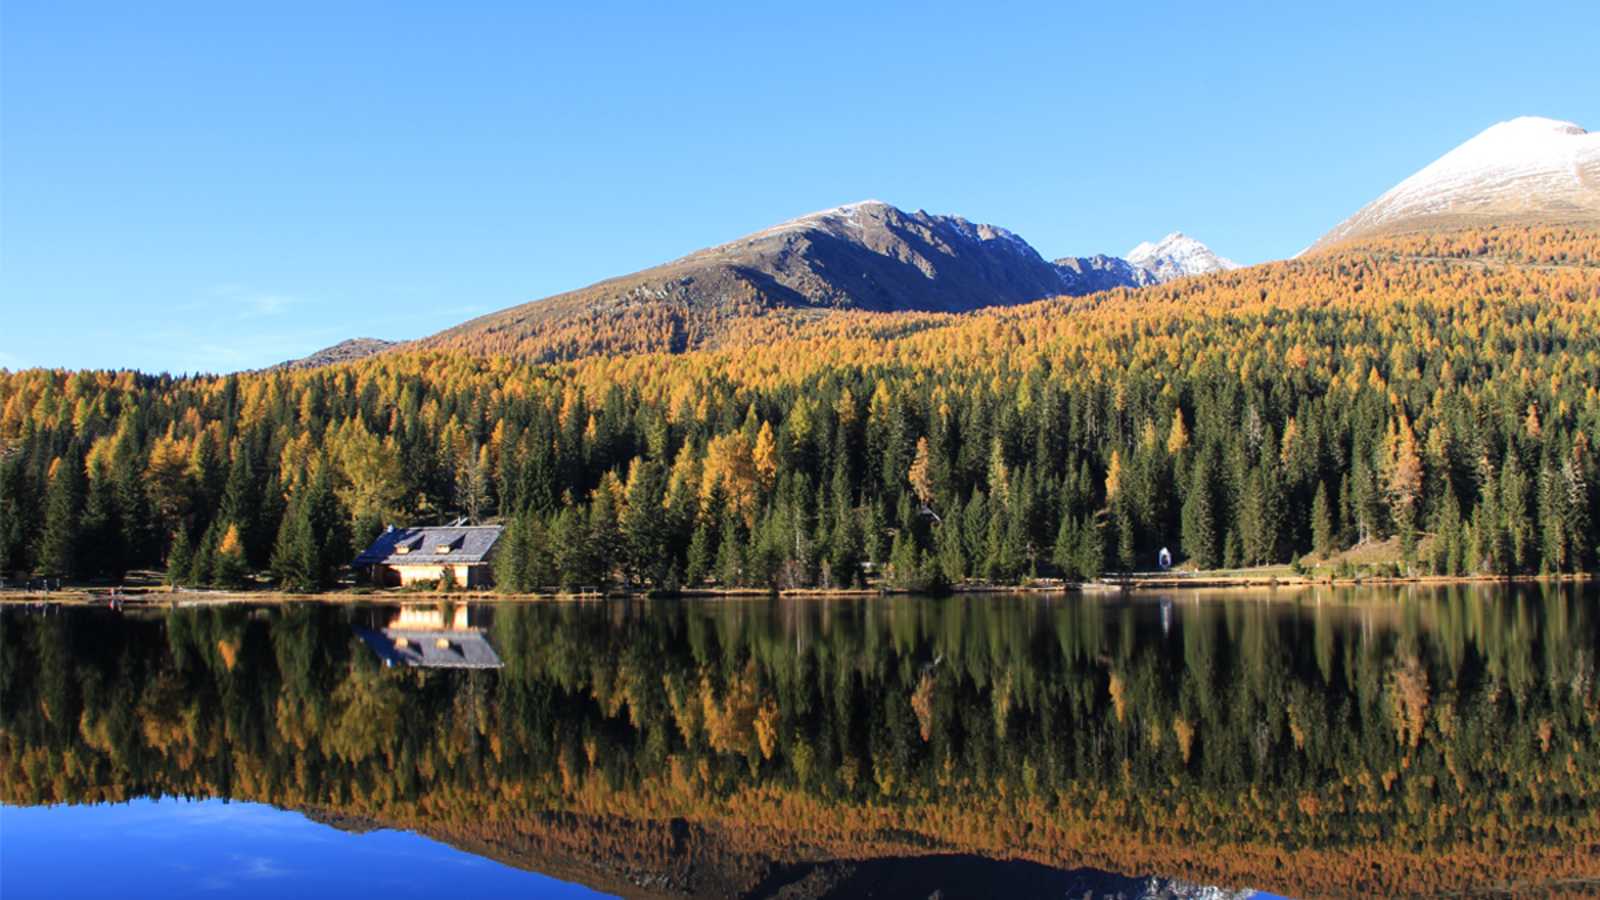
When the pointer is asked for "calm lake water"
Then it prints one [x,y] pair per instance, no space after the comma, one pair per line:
[1325,742]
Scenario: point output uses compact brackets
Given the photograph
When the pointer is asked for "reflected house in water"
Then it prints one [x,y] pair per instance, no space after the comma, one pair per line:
[426,636]
[404,556]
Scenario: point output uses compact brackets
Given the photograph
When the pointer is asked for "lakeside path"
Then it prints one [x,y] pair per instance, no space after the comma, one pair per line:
[147,596]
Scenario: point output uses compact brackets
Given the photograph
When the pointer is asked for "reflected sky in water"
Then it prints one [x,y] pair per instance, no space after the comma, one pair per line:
[209,848]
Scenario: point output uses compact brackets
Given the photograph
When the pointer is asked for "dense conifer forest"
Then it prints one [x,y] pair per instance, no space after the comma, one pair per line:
[1440,392]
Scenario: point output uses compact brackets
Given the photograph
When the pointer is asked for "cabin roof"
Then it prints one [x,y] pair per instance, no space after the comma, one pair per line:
[420,546]
[462,649]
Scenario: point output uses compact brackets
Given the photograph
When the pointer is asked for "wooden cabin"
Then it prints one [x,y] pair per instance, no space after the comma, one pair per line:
[404,556]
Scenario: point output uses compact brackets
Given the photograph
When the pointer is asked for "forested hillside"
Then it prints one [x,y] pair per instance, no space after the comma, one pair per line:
[1443,390]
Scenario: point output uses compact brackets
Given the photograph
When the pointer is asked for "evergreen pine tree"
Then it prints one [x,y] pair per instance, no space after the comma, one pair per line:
[180,559]
[202,563]
[644,524]
[101,547]
[365,529]
[1064,553]
[906,568]
[1091,550]
[1579,536]
[327,534]
[1446,556]
[241,507]
[141,534]
[287,562]
[1127,544]
[1552,520]
[15,514]
[539,569]
[1199,520]
[844,550]
[1490,546]
[1516,522]
[1322,534]
[1232,550]
[1367,502]
[605,546]
[207,473]
[574,550]
[63,512]
[730,565]
[313,541]
[701,557]
[230,568]
[952,552]
[511,556]
[875,543]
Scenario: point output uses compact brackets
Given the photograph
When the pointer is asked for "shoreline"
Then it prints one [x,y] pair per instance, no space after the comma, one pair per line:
[159,595]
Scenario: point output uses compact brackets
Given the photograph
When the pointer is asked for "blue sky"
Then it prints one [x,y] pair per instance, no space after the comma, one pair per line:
[203,186]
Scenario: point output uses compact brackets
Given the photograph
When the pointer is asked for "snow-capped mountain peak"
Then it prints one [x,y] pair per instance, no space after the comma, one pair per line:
[1177,255]
[1525,167]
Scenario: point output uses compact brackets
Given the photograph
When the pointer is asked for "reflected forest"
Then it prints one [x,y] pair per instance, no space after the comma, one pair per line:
[1333,741]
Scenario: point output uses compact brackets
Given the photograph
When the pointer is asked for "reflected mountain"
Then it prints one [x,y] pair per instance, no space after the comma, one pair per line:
[1336,742]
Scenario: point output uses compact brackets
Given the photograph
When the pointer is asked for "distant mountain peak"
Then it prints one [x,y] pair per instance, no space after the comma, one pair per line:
[344,351]
[842,211]
[1176,256]
[1148,248]
[1530,126]
[1525,169]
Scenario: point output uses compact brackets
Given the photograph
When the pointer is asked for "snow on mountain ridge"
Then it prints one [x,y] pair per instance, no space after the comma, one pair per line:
[1176,256]
[1521,167]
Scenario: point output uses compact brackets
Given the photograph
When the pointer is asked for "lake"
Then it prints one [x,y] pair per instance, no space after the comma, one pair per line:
[1345,742]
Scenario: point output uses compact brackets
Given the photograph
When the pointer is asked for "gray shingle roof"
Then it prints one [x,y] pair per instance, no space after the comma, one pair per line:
[467,649]
[420,546]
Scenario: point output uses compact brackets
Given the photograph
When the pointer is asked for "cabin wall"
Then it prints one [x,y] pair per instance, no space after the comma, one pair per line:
[474,575]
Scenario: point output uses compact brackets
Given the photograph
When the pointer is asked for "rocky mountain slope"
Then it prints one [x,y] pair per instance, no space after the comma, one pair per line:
[344,351]
[861,256]
[867,256]
[1525,171]
[1091,274]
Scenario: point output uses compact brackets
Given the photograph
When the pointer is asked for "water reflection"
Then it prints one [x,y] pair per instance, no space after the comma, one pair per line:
[434,637]
[174,848]
[1342,742]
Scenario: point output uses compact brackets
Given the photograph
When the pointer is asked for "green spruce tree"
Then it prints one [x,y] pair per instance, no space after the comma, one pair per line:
[59,546]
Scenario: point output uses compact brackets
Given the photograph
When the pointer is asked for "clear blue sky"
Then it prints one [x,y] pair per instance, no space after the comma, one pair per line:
[205,186]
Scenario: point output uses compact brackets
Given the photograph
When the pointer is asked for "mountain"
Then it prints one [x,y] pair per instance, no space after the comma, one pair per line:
[1090,274]
[1526,171]
[861,256]
[1175,256]
[866,256]
[344,351]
